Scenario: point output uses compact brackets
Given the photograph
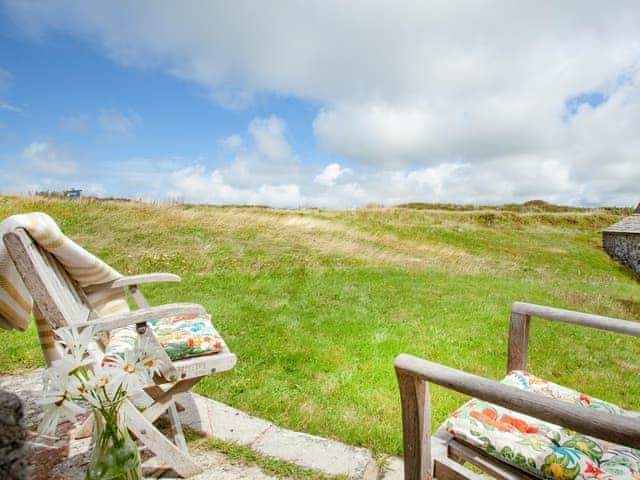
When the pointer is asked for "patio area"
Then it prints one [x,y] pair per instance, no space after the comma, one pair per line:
[62,457]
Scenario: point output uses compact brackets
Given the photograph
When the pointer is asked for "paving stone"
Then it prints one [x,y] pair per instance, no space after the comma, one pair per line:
[220,421]
[218,467]
[308,451]
[394,470]
[29,388]
[371,471]
[43,453]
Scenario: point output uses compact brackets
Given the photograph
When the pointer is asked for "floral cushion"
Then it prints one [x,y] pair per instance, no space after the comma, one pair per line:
[181,336]
[542,449]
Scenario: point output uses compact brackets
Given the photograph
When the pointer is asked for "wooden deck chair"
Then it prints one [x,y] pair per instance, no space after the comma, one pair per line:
[548,407]
[60,302]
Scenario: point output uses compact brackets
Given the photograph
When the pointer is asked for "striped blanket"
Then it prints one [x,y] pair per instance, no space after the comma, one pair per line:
[16,303]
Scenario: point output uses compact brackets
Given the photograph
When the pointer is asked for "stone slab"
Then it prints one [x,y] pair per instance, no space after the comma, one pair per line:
[316,453]
[221,421]
[29,388]
[394,469]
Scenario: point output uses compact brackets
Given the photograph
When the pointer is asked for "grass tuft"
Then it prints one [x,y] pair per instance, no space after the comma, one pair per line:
[240,454]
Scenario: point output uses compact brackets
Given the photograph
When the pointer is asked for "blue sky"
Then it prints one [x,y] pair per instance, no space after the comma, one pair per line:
[332,104]
[63,90]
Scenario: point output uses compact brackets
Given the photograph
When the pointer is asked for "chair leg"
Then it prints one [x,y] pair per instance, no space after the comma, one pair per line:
[154,440]
[176,425]
[163,401]
[155,392]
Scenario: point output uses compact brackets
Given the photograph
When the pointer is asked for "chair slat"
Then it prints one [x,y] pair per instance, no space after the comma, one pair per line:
[51,288]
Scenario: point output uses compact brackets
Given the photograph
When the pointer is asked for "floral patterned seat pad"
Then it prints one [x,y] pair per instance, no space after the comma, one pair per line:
[542,449]
[181,336]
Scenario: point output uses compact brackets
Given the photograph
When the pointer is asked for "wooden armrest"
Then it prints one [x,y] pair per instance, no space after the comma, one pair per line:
[614,428]
[139,318]
[519,324]
[119,320]
[578,318]
[145,278]
[130,280]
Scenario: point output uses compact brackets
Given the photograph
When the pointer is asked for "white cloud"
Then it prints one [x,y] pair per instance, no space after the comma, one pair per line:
[253,175]
[457,101]
[115,123]
[268,136]
[196,184]
[50,160]
[330,174]
[10,108]
[231,143]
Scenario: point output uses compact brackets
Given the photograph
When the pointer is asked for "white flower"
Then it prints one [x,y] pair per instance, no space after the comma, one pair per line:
[55,412]
[130,371]
[75,377]
[76,342]
[58,398]
[62,372]
[103,385]
[150,356]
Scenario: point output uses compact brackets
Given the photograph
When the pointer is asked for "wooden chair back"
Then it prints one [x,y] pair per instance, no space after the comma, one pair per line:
[58,300]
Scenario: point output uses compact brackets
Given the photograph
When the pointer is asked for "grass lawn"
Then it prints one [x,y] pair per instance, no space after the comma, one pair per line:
[317,303]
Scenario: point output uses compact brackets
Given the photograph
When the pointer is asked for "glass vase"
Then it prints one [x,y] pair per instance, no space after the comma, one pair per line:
[115,455]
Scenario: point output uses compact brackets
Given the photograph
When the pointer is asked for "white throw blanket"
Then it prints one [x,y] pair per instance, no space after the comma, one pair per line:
[16,303]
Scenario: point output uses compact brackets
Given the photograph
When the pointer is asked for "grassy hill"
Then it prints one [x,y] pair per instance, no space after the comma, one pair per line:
[317,303]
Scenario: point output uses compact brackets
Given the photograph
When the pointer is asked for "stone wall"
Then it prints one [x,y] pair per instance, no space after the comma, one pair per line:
[13,461]
[624,248]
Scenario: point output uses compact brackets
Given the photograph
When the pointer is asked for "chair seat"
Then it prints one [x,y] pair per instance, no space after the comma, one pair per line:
[181,336]
[539,448]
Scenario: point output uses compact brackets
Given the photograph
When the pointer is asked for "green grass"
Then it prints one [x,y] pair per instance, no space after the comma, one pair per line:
[317,303]
[240,454]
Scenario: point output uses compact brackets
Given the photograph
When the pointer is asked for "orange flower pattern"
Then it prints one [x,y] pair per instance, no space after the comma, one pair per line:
[542,449]
[181,336]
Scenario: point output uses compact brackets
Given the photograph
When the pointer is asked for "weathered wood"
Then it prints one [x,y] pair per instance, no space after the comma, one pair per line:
[416,427]
[155,392]
[137,295]
[485,462]
[135,280]
[168,453]
[444,468]
[167,368]
[145,278]
[518,341]
[39,280]
[176,427]
[205,365]
[163,401]
[445,450]
[613,428]
[119,320]
[578,318]
[60,301]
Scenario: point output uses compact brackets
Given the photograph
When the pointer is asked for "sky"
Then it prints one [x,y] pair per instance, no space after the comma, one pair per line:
[325,103]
